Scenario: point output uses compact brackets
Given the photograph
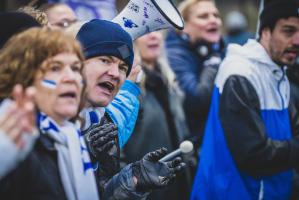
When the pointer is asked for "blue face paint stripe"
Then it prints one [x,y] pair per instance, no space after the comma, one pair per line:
[49,83]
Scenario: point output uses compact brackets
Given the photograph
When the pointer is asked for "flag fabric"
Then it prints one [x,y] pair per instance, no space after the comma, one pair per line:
[91,9]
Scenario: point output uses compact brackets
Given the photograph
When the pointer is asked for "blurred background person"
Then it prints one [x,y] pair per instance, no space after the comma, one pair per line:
[60,15]
[91,9]
[194,54]
[236,28]
[38,15]
[161,120]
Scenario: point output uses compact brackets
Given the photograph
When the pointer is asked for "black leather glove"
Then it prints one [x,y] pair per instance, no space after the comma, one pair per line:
[153,174]
[100,141]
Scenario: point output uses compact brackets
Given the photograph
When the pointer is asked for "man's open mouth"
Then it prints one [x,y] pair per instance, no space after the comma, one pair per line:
[107,85]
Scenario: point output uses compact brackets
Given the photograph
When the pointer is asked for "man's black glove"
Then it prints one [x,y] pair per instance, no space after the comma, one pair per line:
[153,174]
[101,141]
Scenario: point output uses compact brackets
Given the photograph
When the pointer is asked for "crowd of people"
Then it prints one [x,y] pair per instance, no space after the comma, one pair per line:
[88,113]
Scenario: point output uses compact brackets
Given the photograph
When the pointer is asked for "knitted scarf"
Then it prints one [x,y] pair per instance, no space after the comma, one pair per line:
[73,159]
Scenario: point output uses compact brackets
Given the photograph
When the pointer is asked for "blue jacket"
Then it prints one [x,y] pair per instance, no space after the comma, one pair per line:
[251,144]
[195,73]
[123,110]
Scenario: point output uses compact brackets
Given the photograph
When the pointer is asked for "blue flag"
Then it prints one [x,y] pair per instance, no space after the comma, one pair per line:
[91,9]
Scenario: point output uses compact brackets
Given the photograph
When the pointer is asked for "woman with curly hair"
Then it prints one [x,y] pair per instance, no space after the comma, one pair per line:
[59,165]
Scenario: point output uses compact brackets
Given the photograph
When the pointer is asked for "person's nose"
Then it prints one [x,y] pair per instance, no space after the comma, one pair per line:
[69,75]
[296,39]
[153,35]
[214,19]
[114,70]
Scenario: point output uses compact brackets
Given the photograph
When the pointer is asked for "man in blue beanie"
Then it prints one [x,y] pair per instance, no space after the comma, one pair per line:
[109,58]
[109,55]
[108,50]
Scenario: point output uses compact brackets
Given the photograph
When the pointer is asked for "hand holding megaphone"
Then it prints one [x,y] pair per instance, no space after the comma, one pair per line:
[185,147]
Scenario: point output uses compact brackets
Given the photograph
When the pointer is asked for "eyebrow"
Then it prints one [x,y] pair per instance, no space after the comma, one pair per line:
[114,59]
[111,58]
[62,63]
[66,20]
[292,26]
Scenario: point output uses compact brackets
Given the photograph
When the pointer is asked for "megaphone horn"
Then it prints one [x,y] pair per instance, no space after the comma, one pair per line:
[144,16]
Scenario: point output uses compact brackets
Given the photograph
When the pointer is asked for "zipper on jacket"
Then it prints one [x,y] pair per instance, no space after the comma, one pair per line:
[278,85]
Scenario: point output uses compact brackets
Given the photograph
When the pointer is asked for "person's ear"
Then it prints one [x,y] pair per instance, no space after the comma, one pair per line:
[265,37]
[266,33]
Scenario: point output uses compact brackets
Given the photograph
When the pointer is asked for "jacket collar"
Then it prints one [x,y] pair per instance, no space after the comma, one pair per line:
[46,143]
[254,51]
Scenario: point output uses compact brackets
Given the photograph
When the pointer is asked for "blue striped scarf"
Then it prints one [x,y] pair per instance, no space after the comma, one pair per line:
[73,159]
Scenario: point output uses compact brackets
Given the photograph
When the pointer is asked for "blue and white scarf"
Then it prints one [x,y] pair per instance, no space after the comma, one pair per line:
[73,159]
[92,116]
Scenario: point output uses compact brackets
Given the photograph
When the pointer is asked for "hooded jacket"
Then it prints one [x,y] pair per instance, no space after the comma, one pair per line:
[251,143]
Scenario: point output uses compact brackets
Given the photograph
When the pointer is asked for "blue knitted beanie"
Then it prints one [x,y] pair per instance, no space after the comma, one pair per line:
[105,38]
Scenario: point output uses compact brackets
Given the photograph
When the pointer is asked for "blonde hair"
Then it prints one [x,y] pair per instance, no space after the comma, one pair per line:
[164,67]
[74,28]
[38,15]
[23,54]
[186,5]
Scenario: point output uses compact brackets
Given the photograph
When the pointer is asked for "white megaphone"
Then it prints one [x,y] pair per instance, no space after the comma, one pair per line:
[140,17]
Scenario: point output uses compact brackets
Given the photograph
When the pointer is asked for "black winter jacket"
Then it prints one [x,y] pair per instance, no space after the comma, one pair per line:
[37,177]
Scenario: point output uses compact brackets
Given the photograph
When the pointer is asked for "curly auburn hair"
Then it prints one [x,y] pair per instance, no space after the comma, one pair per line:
[23,54]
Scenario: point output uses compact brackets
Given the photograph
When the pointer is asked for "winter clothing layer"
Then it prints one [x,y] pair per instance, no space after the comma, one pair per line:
[123,110]
[195,66]
[251,143]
